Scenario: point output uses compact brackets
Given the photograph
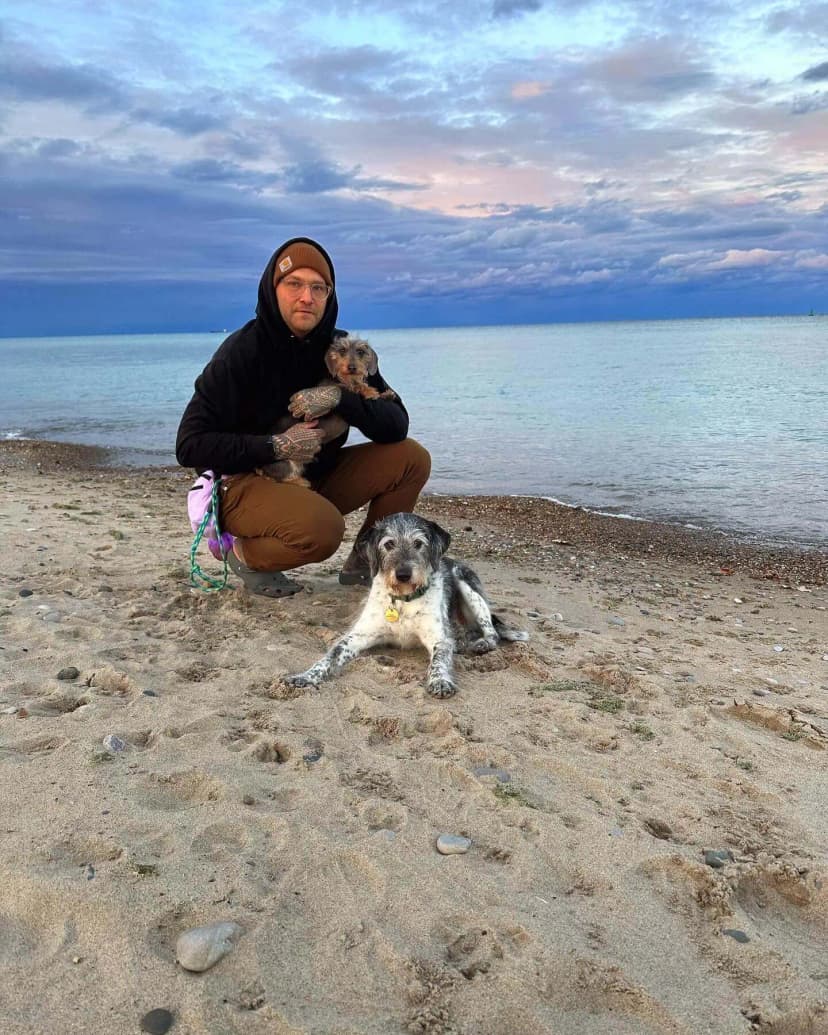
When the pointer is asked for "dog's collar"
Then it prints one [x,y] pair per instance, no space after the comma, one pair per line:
[412,596]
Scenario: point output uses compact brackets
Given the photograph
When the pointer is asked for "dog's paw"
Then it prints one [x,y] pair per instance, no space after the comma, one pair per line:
[482,645]
[441,687]
[299,679]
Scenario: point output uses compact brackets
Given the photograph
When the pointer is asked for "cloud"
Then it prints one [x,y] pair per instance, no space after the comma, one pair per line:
[511,8]
[186,121]
[736,258]
[812,262]
[816,73]
[535,88]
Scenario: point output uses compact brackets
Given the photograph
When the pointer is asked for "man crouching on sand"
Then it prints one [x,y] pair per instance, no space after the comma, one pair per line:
[262,371]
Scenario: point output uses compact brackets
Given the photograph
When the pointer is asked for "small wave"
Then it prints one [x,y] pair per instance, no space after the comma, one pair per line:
[12,434]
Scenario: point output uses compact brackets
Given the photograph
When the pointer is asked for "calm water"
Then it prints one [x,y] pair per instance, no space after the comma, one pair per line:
[721,423]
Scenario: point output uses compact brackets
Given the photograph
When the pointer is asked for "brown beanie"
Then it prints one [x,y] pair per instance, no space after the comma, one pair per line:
[301,255]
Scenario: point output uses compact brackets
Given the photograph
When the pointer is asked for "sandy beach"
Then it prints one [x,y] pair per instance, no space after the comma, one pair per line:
[644,783]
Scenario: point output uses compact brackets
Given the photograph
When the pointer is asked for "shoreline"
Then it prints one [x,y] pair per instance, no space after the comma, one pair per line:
[545,524]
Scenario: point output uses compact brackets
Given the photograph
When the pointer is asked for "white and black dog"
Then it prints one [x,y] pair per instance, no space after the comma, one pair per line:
[417,596]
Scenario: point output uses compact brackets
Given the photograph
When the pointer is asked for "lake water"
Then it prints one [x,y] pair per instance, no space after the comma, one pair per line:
[718,423]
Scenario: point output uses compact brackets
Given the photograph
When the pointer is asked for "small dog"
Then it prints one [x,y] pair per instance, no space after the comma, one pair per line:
[349,361]
[417,596]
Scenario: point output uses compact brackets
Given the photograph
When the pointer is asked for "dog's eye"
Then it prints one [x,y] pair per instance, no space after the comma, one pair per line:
[389,544]
[361,353]
[420,544]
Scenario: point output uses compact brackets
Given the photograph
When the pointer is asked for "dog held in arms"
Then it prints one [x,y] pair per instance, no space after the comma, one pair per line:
[417,596]
[350,360]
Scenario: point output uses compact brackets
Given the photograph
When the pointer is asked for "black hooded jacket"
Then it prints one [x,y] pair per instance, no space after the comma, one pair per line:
[246,386]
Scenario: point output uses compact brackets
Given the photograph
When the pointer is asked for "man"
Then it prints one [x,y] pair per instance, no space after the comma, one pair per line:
[273,362]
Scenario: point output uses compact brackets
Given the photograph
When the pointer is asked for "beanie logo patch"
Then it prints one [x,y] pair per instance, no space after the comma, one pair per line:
[286,264]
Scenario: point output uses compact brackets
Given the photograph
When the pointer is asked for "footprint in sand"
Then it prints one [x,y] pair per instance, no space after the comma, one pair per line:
[220,841]
[36,746]
[788,913]
[74,853]
[182,790]
[34,925]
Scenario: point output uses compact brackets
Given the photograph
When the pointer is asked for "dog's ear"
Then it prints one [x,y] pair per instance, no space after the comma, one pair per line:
[373,363]
[365,548]
[441,540]
[330,361]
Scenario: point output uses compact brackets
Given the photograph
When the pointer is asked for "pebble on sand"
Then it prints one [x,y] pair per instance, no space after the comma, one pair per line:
[452,844]
[718,857]
[157,1022]
[202,947]
[113,743]
[68,673]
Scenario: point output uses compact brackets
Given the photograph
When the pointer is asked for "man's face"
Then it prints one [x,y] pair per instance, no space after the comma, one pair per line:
[301,302]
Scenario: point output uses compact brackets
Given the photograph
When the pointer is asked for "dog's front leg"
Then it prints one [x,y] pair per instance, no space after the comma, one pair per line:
[345,649]
[440,681]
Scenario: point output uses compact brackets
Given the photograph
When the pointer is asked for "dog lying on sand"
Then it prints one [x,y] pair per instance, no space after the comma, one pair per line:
[349,361]
[417,596]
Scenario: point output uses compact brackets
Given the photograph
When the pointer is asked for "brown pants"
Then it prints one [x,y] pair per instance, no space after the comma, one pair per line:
[285,526]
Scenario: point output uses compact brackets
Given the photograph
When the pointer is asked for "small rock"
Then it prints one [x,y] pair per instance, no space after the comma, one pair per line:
[149,693]
[114,743]
[52,616]
[89,871]
[718,857]
[315,749]
[452,844]
[22,713]
[616,832]
[77,959]
[490,770]
[202,947]
[156,1022]
[533,614]
[760,691]
[778,648]
[68,673]
[615,620]
[26,593]
[658,828]
[736,935]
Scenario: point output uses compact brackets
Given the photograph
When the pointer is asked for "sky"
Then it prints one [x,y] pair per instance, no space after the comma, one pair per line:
[464,162]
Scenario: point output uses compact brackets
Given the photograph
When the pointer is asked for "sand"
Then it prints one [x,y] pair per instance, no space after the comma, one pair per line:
[673,700]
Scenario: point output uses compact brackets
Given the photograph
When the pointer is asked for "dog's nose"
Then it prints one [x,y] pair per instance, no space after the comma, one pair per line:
[403,573]
[352,369]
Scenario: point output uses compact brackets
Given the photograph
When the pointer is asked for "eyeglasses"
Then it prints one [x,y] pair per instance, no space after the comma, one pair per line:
[294,286]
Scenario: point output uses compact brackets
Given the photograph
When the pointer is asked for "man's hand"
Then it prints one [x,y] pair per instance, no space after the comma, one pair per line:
[314,402]
[300,442]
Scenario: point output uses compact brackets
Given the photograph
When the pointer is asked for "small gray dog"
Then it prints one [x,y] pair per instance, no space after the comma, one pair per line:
[417,596]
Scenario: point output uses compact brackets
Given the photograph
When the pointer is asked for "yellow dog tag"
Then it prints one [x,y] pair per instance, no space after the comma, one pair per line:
[392,614]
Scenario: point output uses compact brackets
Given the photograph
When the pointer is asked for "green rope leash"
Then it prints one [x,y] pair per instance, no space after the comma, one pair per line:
[209,583]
